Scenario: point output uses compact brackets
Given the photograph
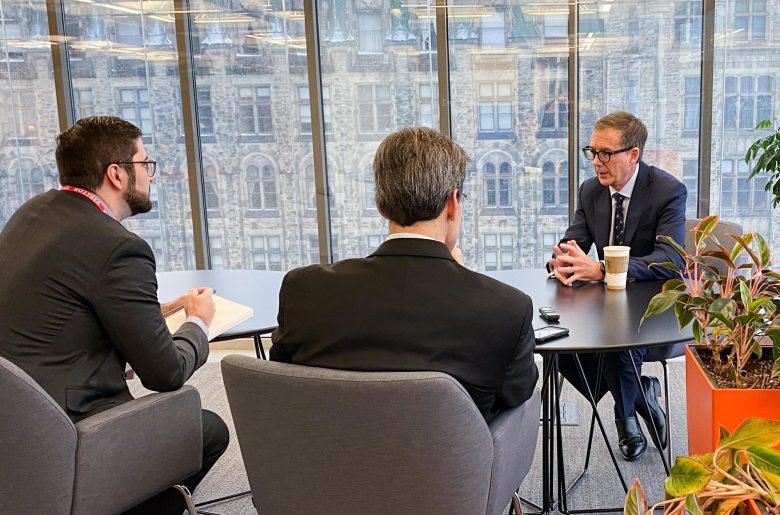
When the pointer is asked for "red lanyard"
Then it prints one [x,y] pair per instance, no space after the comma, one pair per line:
[91,196]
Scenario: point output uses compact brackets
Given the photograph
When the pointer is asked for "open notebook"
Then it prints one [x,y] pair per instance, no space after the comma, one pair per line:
[229,314]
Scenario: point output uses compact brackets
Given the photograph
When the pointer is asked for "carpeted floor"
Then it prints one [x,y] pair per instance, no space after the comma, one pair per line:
[600,488]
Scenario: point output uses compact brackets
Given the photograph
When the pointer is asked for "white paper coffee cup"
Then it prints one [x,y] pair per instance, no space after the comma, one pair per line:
[616,262]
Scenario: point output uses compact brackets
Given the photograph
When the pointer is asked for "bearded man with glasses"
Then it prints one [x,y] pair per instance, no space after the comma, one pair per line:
[78,291]
[629,203]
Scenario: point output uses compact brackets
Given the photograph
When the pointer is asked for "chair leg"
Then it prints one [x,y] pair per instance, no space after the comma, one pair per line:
[516,504]
[187,499]
[668,414]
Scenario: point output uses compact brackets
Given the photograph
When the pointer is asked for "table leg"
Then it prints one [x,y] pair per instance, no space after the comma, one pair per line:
[259,347]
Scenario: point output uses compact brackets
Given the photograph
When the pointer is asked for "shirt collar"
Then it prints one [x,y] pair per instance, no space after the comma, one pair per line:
[397,235]
[628,189]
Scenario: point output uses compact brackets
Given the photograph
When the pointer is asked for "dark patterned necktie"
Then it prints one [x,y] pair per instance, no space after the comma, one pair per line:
[617,230]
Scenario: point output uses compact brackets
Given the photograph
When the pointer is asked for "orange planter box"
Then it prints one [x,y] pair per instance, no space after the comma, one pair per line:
[710,407]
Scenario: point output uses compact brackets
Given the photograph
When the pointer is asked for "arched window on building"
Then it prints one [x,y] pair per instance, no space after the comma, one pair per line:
[497,186]
[32,179]
[311,189]
[555,184]
[211,189]
[261,185]
[369,189]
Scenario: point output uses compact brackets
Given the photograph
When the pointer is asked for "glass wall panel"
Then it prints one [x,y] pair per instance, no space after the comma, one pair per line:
[510,105]
[253,106]
[28,107]
[123,63]
[745,83]
[379,72]
[645,58]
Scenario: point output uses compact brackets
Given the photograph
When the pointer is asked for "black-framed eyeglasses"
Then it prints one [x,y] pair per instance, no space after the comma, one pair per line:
[603,155]
[462,196]
[150,165]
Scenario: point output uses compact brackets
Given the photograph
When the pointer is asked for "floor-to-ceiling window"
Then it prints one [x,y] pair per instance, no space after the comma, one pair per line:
[379,74]
[508,103]
[745,87]
[28,109]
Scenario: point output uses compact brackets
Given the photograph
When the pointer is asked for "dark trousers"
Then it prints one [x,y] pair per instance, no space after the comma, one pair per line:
[617,377]
[170,501]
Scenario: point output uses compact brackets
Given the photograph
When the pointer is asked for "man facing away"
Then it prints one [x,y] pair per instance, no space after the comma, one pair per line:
[78,291]
[412,305]
[627,203]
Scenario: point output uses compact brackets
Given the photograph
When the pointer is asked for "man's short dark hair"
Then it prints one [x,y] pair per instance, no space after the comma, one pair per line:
[634,131]
[416,170]
[85,150]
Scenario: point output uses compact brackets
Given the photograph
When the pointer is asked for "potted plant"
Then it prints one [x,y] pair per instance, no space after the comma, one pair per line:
[734,371]
[766,153]
[742,475]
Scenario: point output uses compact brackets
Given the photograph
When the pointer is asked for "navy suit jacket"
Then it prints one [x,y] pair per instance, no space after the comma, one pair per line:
[410,307]
[657,207]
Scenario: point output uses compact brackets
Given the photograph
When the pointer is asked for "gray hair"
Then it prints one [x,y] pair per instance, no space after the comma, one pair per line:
[633,130]
[416,170]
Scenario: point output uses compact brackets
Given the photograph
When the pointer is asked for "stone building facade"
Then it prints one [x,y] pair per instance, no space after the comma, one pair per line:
[509,105]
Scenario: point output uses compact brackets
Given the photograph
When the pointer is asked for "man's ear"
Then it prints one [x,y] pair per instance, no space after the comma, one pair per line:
[635,154]
[113,177]
[452,205]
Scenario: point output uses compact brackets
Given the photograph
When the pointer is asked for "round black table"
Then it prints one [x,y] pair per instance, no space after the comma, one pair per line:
[599,320]
[258,289]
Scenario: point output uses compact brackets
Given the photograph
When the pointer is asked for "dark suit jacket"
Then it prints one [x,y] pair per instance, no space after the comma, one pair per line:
[78,297]
[410,307]
[657,207]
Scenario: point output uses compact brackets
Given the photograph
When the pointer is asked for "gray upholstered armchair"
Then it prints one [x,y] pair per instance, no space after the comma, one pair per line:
[337,442]
[104,464]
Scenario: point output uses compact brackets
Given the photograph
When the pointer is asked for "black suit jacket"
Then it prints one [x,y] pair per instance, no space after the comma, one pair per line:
[410,307]
[78,297]
[657,207]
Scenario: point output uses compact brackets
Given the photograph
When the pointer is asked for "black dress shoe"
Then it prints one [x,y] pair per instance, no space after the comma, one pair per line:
[631,442]
[652,389]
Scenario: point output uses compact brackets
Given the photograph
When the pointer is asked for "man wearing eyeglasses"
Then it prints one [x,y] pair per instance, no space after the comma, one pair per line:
[78,291]
[629,203]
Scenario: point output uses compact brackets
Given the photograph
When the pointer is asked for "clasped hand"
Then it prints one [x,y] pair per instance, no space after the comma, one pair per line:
[198,302]
[571,264]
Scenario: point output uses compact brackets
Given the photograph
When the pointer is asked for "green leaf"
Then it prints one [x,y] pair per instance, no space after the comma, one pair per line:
[660,303]
[683,315]
[692,505]
[697,332]
[723,319]
[764,124]
[635,504]
[763,250]
[752,432]
[744,292]
[773,480]
[686,477]
[670,241]
[674,284]
[724,433]
[757,303]
[704,228]
[744,241]
[764,458]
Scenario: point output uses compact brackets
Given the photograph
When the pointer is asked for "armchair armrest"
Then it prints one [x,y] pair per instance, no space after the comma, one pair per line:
[514,434]
[136,450]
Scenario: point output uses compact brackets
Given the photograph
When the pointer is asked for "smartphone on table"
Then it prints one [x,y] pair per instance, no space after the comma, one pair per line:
[549,333]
